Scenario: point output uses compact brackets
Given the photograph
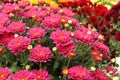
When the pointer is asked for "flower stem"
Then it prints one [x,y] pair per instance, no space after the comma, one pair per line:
[40,65]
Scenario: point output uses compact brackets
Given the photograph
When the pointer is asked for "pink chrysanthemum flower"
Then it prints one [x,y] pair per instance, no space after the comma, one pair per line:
[65,50]
[86,36]
[2,29]
[40,54]
[8,8]
[52,22]
[4,20]
[6,38]
[79,73]
[19,44]
[41,74]
[24,4]
[67,12]
[83,37]
[99,46]
[75,23]
[36,33]
[16,27]
[99,75]
[5,73]
[23,75]
[61,37]
[111,69]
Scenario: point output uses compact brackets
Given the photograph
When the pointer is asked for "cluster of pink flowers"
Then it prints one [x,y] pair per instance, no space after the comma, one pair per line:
[82,73]
[41,74]
[23,26]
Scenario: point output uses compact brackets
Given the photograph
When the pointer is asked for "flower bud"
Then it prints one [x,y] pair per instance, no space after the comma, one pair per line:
[69,21]
[72,54]
[54,49]
[30,47]
[65,71]
[16,35]
[92,68]
[11,15]
[113,60]
[66,25]
[27,67]
[72,34]
[1,50]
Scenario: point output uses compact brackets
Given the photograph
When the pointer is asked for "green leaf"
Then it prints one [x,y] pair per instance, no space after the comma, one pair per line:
[56,64]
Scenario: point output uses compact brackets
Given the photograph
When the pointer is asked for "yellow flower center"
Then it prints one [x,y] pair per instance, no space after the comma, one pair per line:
[22,78]
[38,76]
[2,76]
[16,26]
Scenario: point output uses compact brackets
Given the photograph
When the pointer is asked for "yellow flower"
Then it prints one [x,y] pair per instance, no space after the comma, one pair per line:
[61,1]
[48,1]
[34,2]
[53,4]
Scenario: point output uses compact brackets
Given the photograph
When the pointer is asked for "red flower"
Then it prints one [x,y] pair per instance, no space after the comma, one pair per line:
[87,9]
[117,36]
[100,10]
[94,20]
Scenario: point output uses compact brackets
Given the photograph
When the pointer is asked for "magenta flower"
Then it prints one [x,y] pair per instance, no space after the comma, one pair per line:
[67,12]
[36,33]
[16,27]
[6,38]
[4,20]
[52,22]
[2,29]
[8,8]
[83,37]
[19,44]
[61,37]
[99,75]
[65,50]
[40,54]
[5,73]
[99,46]
[79,73]
[41,74]
[86,36]
[23,75]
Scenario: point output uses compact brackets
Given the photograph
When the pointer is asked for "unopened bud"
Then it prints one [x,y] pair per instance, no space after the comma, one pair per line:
[54,49]
[16,35]
[30,47]
[11,15]
[66,25]
[113,60]
[27,67]
[101,37]
[92,68]
[72,34]
[65,71]
[70,21]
